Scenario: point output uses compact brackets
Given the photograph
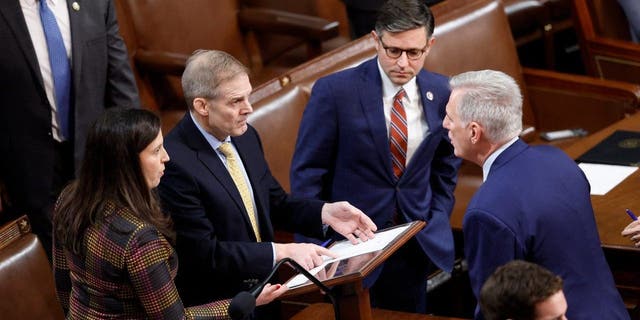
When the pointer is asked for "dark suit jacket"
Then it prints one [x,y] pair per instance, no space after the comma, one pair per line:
[535,206]
[219,255]
[101,77]
[342,153]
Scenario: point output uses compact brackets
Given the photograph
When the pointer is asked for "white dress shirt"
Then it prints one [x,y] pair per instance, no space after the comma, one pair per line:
[417,127]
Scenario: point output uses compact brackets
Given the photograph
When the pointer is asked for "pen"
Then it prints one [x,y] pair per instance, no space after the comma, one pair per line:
[630,213]
[326,243]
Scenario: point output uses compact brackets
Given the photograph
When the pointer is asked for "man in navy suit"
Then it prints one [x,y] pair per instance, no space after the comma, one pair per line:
[222,197]
[36,158]
[534,203]
[372,135]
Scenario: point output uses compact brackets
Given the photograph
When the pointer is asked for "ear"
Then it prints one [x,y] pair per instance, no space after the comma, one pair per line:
[200,106]
[430,43]
[375,38]
[476,132]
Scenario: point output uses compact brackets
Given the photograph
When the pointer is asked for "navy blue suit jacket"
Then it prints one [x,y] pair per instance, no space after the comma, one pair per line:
[218,252]
[535,206]
[342,153]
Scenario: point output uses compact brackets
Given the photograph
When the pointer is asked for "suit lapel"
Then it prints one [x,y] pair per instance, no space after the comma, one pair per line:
[247,151]
[429,98]
[370,93]
[12,13]
[77,39]
[209,158]
[431,110]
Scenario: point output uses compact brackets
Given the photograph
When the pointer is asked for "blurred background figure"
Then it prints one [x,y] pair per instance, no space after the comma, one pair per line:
[521,290]
[632,11]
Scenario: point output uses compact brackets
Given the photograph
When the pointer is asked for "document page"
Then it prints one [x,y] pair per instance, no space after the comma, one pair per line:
[345,249]
[604,177]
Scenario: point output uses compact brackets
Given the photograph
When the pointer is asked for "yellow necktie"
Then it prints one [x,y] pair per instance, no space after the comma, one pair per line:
[238,179]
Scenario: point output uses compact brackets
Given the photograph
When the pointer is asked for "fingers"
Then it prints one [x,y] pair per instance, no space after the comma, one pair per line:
[631,229]
[351,238]
[325,252]
[270,292]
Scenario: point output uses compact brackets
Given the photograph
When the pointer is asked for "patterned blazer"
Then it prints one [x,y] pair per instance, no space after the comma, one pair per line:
[127,272]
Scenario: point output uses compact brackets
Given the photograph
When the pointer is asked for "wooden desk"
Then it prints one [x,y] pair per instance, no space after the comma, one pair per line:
[609,208]
[622,256]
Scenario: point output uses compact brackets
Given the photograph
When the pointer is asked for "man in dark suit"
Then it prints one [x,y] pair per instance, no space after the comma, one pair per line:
[352,147]
[222,197]
[534,203]
[36,158]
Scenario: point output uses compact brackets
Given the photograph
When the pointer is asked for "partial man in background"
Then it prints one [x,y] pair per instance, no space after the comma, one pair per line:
[521,290]
[372,135]
[62,63]
[534,203]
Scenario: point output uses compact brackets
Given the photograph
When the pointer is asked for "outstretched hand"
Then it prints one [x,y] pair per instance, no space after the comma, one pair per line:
[633,231]
[348,221]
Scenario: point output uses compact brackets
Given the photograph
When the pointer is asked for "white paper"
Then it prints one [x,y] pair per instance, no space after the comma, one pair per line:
[604,177]
[345,249]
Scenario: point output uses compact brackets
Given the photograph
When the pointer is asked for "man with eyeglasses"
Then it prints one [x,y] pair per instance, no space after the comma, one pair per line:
[372,135]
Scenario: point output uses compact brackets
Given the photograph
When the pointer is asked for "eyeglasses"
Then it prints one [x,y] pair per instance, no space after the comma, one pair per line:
[395,53]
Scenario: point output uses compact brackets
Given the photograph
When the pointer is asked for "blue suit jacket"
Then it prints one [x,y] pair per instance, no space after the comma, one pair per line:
[218,252]
[535,206]
[342,153]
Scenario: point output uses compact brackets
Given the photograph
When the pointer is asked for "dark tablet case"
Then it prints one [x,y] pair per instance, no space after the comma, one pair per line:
[620,148]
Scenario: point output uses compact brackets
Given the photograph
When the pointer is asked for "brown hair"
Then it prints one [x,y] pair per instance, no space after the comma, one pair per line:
[515,288]
[111,172]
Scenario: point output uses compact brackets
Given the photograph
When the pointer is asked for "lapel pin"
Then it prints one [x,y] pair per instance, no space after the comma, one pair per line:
[429,95]
[75,6]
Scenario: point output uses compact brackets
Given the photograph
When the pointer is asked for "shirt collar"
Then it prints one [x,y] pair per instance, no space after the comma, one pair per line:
[213,141]
[37,2]
[486,166]
[389,89]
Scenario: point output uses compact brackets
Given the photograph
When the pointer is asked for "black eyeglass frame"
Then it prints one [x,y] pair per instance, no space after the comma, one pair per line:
[395,52]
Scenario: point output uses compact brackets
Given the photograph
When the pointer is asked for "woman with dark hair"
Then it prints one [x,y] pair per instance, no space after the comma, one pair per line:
[112,252]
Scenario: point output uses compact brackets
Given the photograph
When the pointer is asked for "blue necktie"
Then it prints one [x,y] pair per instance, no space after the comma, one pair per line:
[60,68]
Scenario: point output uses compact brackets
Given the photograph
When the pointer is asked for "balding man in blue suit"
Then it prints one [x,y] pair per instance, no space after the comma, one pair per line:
[534,204]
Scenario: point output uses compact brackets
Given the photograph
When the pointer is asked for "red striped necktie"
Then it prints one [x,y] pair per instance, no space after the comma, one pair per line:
[398,134]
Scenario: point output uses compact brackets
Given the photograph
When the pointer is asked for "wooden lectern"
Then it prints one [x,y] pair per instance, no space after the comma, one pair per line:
[346,277]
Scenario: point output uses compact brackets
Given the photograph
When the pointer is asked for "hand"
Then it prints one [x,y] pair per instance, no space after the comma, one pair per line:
[307,255]
[633,230]
[348,221]
[270,292]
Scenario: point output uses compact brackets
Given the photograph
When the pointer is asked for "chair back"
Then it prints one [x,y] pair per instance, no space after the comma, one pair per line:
[605,41]
[608,19]
[26,278]
[475,35]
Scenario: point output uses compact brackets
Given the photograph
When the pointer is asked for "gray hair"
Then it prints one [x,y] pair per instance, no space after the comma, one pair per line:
[205,71]
[403,15]
[491,98]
